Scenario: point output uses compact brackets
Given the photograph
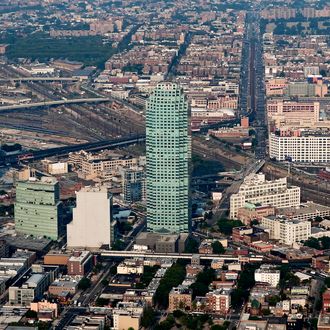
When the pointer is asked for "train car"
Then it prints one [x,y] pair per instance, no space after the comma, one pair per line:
[27,156]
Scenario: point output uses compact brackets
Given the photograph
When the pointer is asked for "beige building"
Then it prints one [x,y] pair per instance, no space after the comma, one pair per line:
[285,230]
[102,165]
[179,298]
[91,226]
[255,189]
[284,112]
[127,315]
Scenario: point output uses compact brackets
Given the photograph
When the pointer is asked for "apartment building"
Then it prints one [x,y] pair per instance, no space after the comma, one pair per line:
[285,230]
[255,189]
[267,274]
[218,301]
[127,315]
[179,298]
[303,146]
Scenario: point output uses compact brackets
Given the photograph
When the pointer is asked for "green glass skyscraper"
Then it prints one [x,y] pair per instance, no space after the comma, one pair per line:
[168,156]
[38,208]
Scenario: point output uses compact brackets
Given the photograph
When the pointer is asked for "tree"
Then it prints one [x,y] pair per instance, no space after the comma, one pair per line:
[327,282]
[84,283]
[218,248]
[312,243]
[265,311]
[191,246]
[31,314]
[100,302]
[226,226]
[148,317]
[273,300]
[105,282]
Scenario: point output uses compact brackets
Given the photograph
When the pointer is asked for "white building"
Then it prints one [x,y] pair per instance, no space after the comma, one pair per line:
[267,274]
[309,147]
[255,189]
[128,267]
[91,226]
[285,230]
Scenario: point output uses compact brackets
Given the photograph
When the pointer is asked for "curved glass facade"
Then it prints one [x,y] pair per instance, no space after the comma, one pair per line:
[168,151]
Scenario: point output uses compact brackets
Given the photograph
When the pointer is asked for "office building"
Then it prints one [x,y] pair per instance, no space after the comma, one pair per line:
[133,183]
[287,231]
[38,208]
[303,146]
[267,274]
[255,189]
[168,150]
[91,226]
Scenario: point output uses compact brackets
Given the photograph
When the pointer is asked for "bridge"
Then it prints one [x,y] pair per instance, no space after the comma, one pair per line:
[51,103]
[93,146]
[39,79]
[145,254]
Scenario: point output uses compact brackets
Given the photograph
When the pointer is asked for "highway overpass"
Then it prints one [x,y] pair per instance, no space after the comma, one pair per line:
[143,254]
[52,103]
[93,146]
[39,79]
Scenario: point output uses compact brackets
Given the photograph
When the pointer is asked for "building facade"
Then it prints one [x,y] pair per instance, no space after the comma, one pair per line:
[179,298]
[287,231]
[133,183]
[267,274]
[91,226]
[255,189]
[168,150]
[218,301]
[38,208]
[301,146]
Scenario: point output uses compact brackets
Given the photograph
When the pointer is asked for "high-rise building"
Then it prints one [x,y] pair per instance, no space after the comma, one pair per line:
[38,208]
[168,150]
[133,184]
[91,226]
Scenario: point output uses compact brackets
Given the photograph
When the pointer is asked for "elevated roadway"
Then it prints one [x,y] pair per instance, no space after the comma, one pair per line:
[143,254]
[15,79]
[52,103]
[94,146]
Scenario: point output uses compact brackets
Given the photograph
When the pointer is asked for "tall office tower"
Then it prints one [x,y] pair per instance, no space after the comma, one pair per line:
[91,226]
[38,208]
[168,150]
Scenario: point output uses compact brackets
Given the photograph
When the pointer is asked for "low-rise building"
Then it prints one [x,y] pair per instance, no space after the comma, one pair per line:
[80,263]
[63,286]
[130,267]
[127,315]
